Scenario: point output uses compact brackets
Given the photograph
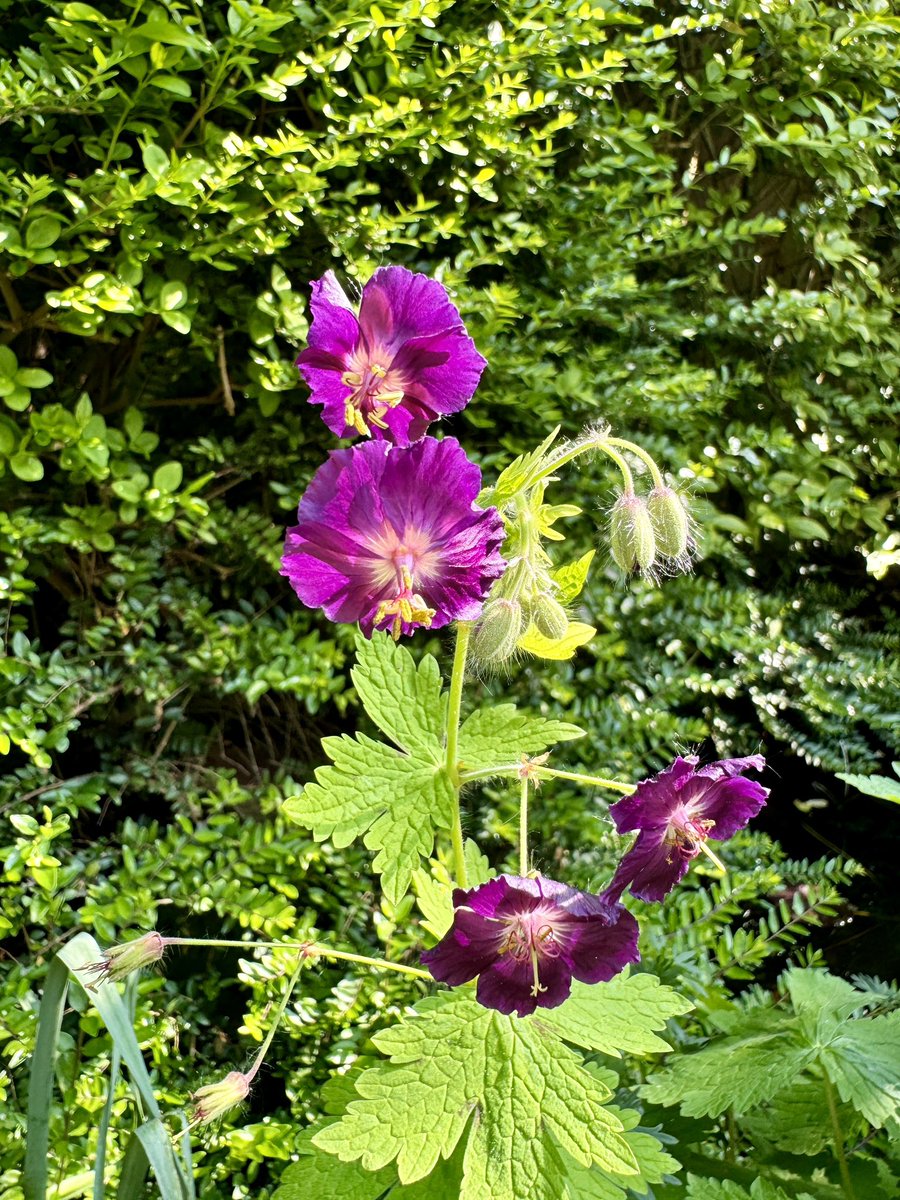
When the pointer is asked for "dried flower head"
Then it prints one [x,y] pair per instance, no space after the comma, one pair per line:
[214,1100]
[390,369]
[120,961]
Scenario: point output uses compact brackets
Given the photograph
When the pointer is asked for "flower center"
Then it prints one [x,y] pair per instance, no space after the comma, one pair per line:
[531,936]
[407,607]
[376,389]
[687,834]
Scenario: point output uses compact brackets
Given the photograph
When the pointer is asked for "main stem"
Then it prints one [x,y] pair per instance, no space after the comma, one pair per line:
[524,863]
[454,707]
[846,1181]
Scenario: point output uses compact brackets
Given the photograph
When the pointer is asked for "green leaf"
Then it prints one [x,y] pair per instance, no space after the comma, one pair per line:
[403,701]
[518,474]
[26,467]
[617,1017]
[40,1087]
[179,321]
[172,83]
[395,800]
[33,377]
[9,364]
[319,1174]
[557,649]
[722,1189]
[798,1121]
[594,1183]
[155,160]
[735,1072]
[168,477]
[42,232]
[172,295]
[881,786]
[499,736]
[572,577]
[531,1096]
[863,1062]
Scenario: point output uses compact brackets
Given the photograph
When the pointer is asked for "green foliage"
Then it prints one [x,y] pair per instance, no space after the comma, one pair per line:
[881,786]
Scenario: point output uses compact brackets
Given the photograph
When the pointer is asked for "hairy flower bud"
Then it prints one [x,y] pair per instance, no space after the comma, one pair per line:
[670,522]
[631,536]
[214,1100]
[549,616]
[497,632]
[120,961]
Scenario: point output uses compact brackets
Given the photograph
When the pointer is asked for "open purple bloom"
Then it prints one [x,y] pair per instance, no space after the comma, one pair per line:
[675,812]
[391,537]
[527,939]
[403,361]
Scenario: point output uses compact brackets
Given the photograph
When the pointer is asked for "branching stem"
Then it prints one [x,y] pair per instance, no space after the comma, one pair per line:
[308,949]
[536,772]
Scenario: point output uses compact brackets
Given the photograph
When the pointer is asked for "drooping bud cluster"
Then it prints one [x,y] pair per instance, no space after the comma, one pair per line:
[650,535]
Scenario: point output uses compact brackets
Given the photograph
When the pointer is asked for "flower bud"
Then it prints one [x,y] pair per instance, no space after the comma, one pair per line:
[670,522]
[214,1100]
[497,632]
[120,961]
[631,536]
[549,616]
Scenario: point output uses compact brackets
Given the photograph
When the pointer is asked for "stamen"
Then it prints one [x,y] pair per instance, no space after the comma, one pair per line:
[380,371]
[536,988]
[714,857]
[351,379]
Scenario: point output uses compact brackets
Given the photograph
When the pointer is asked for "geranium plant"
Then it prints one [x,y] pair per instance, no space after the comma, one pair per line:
[483,1089]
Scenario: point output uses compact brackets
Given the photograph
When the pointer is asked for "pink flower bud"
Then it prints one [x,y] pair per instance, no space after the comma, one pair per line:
[214,1100]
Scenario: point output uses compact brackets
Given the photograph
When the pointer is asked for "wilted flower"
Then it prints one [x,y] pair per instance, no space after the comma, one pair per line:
[214,1100]
[403,361]
[527,939]
[120,961]
[391,538]
[675,812]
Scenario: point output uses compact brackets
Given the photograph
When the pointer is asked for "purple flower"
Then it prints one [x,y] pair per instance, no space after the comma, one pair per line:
[527,939]
[391,538]
[390,371]
[675,812]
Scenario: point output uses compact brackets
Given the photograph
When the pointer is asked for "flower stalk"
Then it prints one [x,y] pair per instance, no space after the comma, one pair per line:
[454,708]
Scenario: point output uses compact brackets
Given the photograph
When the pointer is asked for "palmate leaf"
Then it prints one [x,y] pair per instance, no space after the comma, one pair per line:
[515,1092]
[723,1189]
[395,800]
[403,700]
[734,1072]
[798,1120]
[619,1017]
[593,1183]
[498,736]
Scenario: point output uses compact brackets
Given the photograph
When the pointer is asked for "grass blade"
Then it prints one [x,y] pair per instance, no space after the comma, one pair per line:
[40,1086]
[103,1127]
[133,1171]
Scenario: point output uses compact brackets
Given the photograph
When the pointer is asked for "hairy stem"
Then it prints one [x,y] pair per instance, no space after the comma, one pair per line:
[642,454]
[264,1048]
[839,1154]
[524,861]
[614,785]
[309,949]
[463,633]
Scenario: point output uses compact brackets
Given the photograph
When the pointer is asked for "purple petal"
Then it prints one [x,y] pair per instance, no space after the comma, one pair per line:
[605,946]
[654,799]
[728,803]
[398,304]
[651,867]
[445,369]
[507,985]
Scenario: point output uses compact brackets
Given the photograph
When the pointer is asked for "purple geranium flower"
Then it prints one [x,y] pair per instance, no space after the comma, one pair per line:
[391,537]
[390,371]
[527,939]
[675,812]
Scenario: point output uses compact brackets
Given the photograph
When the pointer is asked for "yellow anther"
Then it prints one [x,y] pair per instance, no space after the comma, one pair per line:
[375,418]
[351,379]
[359,423]
[380,371]
[391,399]
[406,576]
